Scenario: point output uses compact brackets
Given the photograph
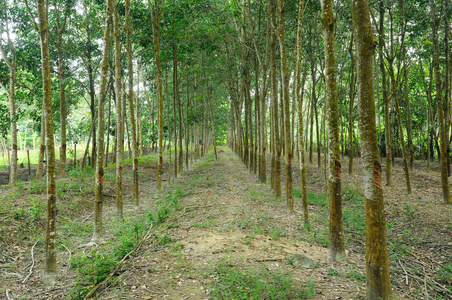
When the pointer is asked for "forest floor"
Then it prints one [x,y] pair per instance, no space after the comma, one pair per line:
[218,233]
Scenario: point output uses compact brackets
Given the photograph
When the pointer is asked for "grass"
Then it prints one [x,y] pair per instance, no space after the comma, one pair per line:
[233,283]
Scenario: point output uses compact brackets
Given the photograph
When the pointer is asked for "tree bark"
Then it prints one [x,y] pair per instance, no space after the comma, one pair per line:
[51,237]
[131,97]
[441,118]
[299,85]
[287,132]
[337,246]
[119,115]
[377,262]
[99,181]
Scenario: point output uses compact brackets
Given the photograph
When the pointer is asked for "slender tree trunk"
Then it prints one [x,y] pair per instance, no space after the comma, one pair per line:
[409,127]
[337,246]
[441,118]
[99,182]
[51,234]
[10,92]
[377,262]
[274,94]
[389,180]
[287,131]
[299,85]
[350,112]
[133,124]
[119,115]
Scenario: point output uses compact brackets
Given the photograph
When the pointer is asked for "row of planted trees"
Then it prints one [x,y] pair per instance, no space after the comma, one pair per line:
[279,121]
[259,70]
[189,127]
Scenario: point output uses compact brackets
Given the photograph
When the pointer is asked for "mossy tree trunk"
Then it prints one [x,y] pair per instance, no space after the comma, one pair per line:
[131,97]
[51,237]
[285,89]
[377,262]
[439,102]
[156,12]
[119,114]
[299,85]
[337,246]
[99,182]
[274,100]
[10,92]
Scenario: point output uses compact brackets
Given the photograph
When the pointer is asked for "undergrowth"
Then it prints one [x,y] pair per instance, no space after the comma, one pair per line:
[233,283]
[99,263]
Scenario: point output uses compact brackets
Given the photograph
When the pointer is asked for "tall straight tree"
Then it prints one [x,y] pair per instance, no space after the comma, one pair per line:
[61,26]
[377,262]
[10,92]
[51,253]
[119,114]
[439,102]
[156,16]
[274,100]
[337,246]
[287,133]
[131,97]
[98,202]
[299,100]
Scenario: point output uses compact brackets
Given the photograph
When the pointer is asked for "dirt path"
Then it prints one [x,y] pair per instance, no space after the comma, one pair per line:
[230,218]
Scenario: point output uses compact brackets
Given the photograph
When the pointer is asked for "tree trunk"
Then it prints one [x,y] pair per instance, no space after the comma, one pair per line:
[389,180]
[51,237]
[131,97]
[274,94]
[350,112]
[377,262]
[441,118]
[287,132]
[299,85]
[99,181]
[337,246]
[119,115]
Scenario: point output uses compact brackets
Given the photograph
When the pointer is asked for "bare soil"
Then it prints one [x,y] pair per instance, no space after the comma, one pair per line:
[228,216]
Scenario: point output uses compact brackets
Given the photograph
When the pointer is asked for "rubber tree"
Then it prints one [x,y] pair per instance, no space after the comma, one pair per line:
[377,262]
[131,97]
[119,114]
[51,237]
[10,91]
[156,16]
[285,84]
[337,246]
[98,202]
[439,101]
[299,100]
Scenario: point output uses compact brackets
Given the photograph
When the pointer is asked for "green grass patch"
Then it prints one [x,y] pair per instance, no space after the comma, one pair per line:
[261,283]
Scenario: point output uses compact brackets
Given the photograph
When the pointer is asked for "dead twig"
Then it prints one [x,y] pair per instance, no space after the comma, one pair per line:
[120,263]
[32,262]
[70,255]
[7,294]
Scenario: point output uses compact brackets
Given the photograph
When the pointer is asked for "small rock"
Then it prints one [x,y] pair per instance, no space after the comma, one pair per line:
[303,261]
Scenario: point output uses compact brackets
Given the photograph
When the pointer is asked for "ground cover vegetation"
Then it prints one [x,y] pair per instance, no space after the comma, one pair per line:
[143,142]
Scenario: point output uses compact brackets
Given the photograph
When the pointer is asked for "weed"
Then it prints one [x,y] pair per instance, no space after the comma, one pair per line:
[18,214]
[333,272]
[248,240]
[356,275]
[277,232]
[257,284]
[445,273]
[411,211]
[93,269]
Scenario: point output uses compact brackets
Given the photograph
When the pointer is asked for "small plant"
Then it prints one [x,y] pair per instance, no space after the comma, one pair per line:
[233,283]
[411,211]
[445,273]
[333,272]
[276,233]
[18,214]
[93,269]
